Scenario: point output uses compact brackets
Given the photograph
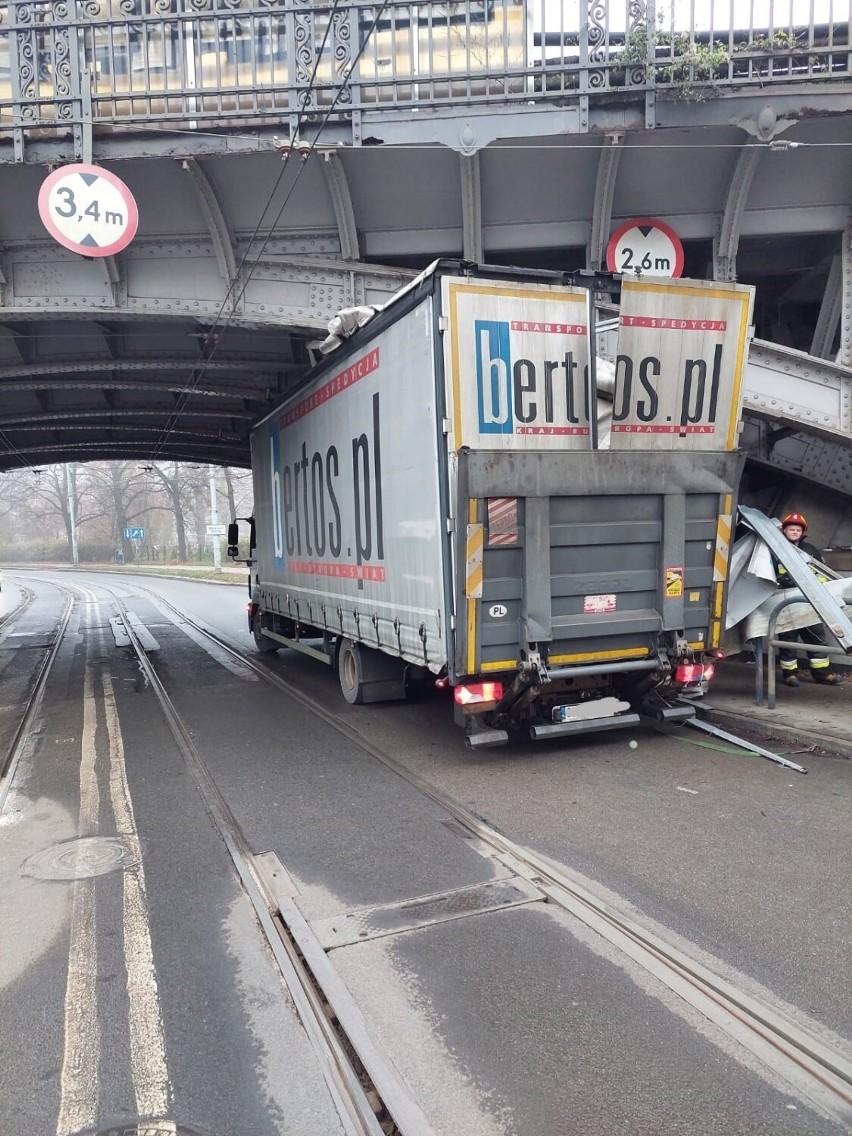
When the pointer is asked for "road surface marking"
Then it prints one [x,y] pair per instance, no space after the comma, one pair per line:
[79,1082]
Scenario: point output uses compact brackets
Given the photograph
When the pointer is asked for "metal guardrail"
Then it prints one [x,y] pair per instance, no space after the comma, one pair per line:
[143,63]
[770,642]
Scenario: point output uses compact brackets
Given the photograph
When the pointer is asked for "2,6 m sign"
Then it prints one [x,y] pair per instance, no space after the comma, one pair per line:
[88,210]
[645,247]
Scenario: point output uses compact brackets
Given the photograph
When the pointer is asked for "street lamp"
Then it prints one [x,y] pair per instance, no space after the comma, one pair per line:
[70,493]
[214,520]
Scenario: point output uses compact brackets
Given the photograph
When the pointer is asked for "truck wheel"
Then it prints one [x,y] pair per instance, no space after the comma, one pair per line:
[260,640]
[350,672]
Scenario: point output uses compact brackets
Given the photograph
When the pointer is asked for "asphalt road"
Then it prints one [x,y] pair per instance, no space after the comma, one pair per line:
[513,1022]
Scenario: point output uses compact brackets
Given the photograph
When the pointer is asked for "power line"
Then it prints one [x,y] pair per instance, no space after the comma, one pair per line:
[198,372]
[190,386]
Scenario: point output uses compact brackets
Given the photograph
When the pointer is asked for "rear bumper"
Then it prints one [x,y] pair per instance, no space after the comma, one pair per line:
[584,726]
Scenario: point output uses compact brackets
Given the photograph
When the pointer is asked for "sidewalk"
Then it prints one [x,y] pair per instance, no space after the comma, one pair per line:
[809,714]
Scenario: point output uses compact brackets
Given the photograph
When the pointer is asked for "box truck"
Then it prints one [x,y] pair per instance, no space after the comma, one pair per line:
[438,499]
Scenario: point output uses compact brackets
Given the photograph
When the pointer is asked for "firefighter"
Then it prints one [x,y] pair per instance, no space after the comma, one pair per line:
[795,527]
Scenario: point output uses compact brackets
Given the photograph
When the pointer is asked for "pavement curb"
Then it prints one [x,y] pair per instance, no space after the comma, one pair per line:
[833,744]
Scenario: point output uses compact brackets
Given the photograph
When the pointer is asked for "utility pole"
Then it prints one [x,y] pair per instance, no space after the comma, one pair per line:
[214,520]
[71,494]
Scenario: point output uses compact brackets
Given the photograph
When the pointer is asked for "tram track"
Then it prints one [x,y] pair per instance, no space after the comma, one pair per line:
[17,744]
[9,617]
[364,1109]
[818,1072]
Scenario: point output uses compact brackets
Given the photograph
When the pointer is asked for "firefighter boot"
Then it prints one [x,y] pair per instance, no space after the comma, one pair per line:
[827,680]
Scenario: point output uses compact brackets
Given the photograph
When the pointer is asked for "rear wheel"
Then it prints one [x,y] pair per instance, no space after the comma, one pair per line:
[260,640]
[350,672]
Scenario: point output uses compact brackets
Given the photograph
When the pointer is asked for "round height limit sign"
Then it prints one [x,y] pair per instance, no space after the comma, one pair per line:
[645,247]
[88,210]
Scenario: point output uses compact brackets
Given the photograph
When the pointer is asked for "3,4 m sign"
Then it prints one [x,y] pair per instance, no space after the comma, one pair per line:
[88,210]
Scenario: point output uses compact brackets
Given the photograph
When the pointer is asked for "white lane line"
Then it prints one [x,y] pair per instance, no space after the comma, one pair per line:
[79,1083]
[147,1036]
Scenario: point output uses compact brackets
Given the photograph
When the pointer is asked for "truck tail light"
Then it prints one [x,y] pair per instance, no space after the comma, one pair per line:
[473,692]
[687,674]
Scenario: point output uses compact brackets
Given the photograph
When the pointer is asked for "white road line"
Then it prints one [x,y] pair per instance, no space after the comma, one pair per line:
[79,1083]
[147,1036]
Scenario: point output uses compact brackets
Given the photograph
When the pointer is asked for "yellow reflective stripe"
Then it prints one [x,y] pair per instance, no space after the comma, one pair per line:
[818,664]
[715,634]
[723,546]
[718,592]
[473,555]
[472,598]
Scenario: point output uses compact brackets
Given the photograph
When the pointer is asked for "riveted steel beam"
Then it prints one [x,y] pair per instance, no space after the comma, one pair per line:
[794,388]
[829,311]
[207,386]
[472,247]
[49,414]
[113,278]
[118,429]
[21,344]
[610,156]
[93,366]
[802,454]
[220,230]
[284,291]
[731,221]
[341,199]
[129,449]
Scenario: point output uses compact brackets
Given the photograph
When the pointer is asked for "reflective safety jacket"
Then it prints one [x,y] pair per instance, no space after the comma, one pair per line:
[785,580]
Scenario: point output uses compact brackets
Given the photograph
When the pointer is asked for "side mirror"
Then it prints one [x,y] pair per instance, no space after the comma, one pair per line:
[233,536]
[233,551]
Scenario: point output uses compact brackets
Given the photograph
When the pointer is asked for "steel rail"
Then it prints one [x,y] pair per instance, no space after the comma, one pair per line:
[819,1073]
[27,597]
[356,1112]
[9,765]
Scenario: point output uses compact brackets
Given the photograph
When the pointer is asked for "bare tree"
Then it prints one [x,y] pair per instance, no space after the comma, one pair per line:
[172,480]
[238,487]
[123,495]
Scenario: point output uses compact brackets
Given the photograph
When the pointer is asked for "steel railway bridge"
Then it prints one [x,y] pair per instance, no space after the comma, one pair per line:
[290,159]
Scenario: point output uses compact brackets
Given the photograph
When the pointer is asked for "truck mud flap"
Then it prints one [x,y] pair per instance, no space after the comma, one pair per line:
[583,726]
[667,712]
[483,737]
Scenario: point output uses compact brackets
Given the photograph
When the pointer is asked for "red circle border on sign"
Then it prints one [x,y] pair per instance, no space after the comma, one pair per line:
[126,196]
[634,223]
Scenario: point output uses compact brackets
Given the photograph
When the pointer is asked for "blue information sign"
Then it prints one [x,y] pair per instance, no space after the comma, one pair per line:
[134,534]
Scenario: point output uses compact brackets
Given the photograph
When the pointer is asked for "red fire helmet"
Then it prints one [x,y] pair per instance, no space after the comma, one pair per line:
[795,519]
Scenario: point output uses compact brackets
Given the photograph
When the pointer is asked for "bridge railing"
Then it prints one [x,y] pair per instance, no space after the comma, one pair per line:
[143,63]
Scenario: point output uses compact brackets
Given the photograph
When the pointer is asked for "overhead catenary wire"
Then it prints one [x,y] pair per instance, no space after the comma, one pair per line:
[196,374]
[215,332]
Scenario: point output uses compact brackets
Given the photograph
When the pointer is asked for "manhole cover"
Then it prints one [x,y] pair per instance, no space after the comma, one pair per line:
[81,859]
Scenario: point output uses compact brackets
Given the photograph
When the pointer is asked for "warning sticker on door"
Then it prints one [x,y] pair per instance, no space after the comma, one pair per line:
[674,582]
[594,605]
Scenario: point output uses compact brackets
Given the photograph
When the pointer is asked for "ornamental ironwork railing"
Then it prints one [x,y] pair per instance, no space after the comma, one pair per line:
[138,64]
